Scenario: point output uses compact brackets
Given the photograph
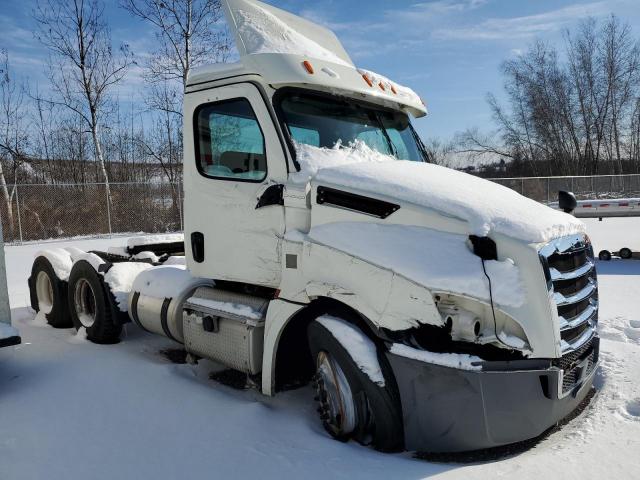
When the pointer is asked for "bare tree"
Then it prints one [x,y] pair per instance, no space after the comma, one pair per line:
[570,112]
[84,68]
[14,137]
[188,32]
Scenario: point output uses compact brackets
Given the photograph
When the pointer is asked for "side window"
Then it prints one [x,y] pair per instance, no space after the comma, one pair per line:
[229,142]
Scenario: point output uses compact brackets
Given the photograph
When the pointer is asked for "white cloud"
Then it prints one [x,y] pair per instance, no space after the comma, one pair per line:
[524,26]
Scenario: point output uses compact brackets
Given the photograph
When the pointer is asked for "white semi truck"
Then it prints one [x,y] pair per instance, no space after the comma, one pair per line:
[433,311]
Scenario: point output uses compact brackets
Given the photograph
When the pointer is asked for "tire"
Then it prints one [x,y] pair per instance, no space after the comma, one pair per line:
[49,294]
[373,416]
[604,255]
[626,253]
[91,306]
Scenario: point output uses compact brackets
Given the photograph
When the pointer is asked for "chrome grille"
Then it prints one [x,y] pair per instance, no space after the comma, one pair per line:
[577,364]
[573,284]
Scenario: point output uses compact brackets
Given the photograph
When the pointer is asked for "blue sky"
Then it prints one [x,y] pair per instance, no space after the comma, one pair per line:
[449,51]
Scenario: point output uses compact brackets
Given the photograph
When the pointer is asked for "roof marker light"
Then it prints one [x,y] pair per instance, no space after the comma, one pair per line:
[393,89]
[367,79]
[308,67]
[381,85]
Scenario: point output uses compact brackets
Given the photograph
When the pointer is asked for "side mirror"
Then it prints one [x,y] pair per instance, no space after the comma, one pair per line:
[567,201]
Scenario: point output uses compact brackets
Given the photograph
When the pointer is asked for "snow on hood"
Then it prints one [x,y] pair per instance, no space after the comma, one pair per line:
[312,159]
[436,260]
[486,206]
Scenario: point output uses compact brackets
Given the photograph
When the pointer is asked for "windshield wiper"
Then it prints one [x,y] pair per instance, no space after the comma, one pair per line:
[392,147]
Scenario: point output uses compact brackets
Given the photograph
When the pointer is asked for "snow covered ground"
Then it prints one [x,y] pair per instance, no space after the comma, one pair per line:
[73,410]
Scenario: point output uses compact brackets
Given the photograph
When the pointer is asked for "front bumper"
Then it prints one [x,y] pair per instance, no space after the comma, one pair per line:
[451,410]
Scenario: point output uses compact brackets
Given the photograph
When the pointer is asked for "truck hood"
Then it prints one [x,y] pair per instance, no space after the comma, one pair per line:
[486,206]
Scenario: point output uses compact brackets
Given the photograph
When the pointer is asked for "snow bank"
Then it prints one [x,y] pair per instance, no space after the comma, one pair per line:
[60,260]
[486,206]
[79,338]
[164,281]
[451,360]
[312,159]
[155,239]
[435,259]
[358,346]
[227,307]
[120,278]
[7,331]
[263,32]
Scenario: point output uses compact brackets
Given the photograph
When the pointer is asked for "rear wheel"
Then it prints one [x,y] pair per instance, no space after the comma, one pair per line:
[626,253]
[90,305]
[49,294]
[350,404]
[604,255]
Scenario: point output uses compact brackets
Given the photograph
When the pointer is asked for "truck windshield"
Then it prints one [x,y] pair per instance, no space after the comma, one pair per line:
[324,121]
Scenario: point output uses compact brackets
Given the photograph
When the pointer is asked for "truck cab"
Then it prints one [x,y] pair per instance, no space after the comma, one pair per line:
[290,185]
[432,310]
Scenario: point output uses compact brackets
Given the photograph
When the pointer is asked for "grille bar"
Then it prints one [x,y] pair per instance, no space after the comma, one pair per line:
[570,267]
[583,294]
[585,316]
[572,274]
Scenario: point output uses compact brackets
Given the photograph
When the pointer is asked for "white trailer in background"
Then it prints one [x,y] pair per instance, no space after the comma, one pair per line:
[609,208]
[433,310]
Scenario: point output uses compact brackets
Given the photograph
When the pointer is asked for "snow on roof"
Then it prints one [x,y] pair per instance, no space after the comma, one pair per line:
[262,28]
[486,206]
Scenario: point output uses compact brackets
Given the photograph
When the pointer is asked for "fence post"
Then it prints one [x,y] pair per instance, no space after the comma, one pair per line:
[106,191]
[548,190]
[180,206]
[18,212]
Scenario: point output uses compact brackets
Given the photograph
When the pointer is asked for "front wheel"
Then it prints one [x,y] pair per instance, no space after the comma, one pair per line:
[350,404]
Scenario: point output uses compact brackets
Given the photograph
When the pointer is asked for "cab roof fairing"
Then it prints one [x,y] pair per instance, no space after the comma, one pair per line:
[271,44]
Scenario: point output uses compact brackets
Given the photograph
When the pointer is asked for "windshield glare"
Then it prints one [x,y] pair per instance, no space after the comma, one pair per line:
[323,121]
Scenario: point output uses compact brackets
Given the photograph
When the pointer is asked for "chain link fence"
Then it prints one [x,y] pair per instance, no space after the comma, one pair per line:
[545,189]
[43,212]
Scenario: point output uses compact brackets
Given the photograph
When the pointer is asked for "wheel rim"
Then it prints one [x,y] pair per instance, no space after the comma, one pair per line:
[337,407]
[85,303]
[44,291]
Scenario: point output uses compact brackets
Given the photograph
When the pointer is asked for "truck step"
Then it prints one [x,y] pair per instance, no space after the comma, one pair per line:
[227,327]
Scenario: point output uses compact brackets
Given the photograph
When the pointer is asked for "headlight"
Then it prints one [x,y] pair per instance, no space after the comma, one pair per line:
[469,320]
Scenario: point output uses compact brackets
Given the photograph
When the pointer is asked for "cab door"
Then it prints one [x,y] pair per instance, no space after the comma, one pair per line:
[232,156]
